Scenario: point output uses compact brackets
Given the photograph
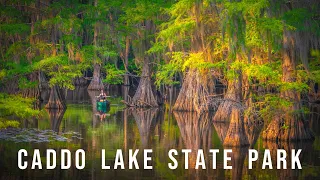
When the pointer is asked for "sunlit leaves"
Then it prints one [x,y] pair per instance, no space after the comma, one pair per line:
[114,75]
[17,106]
[61,72]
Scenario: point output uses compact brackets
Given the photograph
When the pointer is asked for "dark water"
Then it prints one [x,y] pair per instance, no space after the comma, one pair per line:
[156,129]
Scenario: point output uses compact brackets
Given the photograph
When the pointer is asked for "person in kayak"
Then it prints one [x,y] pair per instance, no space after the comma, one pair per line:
[102,95]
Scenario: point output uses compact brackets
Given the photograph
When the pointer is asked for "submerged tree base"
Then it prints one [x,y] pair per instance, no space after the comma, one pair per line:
[194,94]
[144,96]
[291,129]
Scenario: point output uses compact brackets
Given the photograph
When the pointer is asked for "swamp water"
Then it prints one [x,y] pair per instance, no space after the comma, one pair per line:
[81,126]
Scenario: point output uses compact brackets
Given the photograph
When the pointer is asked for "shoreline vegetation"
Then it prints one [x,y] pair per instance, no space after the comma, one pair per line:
[263,54]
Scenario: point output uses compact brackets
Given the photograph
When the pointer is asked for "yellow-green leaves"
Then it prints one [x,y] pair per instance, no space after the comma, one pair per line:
[17,106]
[114,75]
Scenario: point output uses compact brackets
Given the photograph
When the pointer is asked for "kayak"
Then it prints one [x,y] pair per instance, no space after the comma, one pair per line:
[102,105]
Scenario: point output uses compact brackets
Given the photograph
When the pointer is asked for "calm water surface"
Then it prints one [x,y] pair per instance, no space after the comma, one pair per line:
[157,129]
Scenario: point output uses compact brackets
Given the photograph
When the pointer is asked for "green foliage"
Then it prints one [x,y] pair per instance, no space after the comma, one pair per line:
[12,29]
[268,106]
[15,106]
[61,71]
[114,75]
[24,83]
[4,123]
[165,74]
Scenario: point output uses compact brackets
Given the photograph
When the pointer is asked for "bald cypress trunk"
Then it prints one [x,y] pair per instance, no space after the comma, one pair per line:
[232,97]
[144,96]
[56,100]
[96,82]
[292,126]
[33,92]
[236,135]
[194,93]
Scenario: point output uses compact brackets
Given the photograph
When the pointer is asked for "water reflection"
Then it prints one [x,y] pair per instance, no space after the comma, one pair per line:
[55,116]
[160,130]
[238,157]
[146,120]
[99,112]
[195,131]
[288,147]
[221,129]
[252,132]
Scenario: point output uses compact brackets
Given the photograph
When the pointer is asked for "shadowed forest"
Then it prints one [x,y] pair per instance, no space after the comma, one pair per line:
[239,66]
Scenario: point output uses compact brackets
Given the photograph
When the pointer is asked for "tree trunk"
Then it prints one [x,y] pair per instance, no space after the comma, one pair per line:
[33,92]
[292,126]
[96,83]
[126,62]
[194,93]
[56,101]
[232,97]
[144,96]
[43,82]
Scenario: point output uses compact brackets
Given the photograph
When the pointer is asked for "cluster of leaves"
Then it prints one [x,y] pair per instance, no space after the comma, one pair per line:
[16,106]
[114,75]
[61,71]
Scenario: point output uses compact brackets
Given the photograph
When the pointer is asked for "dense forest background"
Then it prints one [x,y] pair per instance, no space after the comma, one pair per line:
[265,53]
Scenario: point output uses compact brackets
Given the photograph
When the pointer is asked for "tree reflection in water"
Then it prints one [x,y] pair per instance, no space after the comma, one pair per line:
[195,131]
[55,116]
[146,120]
